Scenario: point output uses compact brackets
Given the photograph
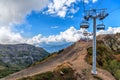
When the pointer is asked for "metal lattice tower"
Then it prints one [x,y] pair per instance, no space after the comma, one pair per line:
[94,14]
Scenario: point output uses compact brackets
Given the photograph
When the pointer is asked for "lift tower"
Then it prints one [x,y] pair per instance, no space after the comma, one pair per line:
[94,14]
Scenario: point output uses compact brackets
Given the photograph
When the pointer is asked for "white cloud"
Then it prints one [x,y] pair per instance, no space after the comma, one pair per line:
[70,35]
[86,1]
[9,37]
[15,11]
[64,38]
[109,31]
[54,27]
[94,1]
[57,42]
[72,10]
[61,7]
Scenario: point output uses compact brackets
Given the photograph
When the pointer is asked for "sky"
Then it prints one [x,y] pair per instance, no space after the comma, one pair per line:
[52,24]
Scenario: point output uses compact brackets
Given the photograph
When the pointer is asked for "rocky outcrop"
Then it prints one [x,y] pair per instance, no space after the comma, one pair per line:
[20,55]
[112,41]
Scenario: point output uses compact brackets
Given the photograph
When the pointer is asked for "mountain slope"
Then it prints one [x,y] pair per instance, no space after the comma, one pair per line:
[16,57]
[74,55]
[108,54]
[112,41]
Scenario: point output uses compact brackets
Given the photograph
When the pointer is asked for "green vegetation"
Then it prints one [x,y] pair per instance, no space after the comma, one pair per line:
[48,57]
[8,70]
[45,76]
[98,78]
[60,74]
[105,59]
[14,58]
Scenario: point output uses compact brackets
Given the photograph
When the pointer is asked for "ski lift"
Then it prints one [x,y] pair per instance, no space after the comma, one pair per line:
[84,24]
[100,27]
[103,15]
[85,33]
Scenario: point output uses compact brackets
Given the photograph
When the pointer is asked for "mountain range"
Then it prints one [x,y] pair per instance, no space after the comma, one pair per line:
[19,56]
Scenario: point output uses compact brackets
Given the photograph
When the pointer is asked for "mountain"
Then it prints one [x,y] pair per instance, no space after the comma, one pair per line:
[74,62]
[19,56]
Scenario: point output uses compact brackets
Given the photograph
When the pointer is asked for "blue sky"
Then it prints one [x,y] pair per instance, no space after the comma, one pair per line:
[47,24]
[51,22]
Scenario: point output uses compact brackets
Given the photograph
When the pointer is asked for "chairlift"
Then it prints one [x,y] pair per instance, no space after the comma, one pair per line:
[90,34]
[85,33]
[84,24]
[100,27]
[103,15]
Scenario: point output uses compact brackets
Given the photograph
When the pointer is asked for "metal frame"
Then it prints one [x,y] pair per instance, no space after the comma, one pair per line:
[100,27]
[84,24]
[95,14]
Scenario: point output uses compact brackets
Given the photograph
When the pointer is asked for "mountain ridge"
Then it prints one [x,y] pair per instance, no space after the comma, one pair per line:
[14,57]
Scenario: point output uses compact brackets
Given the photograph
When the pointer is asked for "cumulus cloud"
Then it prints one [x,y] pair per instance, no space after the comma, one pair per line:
[110,30]
[67,37]
[7,36]
[70,35]
[15,11]
[57,42]
[63,39]
[61,7]
[52,42]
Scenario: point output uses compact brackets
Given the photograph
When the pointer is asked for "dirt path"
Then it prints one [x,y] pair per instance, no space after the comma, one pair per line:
[74,54]
[80,64]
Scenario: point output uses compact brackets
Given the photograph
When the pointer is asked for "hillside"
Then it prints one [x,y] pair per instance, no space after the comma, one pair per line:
[61,72]
[108,54]
[78,56]
[112,41]
[16,57]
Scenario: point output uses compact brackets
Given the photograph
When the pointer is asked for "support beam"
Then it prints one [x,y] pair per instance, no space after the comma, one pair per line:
[94,47]
[94,14]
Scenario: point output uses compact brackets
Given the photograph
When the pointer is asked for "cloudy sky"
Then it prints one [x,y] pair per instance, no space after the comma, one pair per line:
[51,23]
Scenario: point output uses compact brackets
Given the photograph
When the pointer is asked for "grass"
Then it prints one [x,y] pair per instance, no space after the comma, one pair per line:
[98,78]
[6,71]
[2,67]
[61,73]
[48,57]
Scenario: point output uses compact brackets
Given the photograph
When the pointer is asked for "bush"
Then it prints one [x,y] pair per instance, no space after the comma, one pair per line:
[7,71]
[117,74]
[68,74]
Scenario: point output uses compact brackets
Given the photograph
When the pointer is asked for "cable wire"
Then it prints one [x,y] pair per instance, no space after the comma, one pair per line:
[84,6]
[114,10]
